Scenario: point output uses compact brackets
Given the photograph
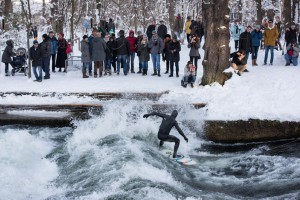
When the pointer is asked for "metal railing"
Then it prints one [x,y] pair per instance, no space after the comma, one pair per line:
[73,62]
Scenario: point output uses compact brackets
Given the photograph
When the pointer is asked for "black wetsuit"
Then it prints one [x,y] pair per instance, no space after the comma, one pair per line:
[164,130]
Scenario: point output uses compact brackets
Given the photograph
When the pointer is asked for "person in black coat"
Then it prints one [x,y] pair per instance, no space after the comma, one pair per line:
[61,52]
[122,47]
[238,61]
[174,49]
[197,28]
[290,34]
[35,55]
[7,54]
[150,29]
[165,54]
[245,42]
[46,52]
[162,30]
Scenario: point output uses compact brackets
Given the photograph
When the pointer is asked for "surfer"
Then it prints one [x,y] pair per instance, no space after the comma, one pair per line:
[164,130]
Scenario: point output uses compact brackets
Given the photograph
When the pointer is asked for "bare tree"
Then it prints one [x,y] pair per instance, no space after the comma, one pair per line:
[287,9]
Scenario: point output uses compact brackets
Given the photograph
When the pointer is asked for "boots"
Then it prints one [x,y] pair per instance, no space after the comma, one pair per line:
[158,73]
[84,74]
[255,63]
[155,73]
[140,71]
[109,72]
[177,73]
[144,72]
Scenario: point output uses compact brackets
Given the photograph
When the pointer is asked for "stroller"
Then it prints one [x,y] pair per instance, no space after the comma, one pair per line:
[19,63]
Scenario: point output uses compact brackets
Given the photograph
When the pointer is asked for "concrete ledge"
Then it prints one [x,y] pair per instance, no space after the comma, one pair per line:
[253,130]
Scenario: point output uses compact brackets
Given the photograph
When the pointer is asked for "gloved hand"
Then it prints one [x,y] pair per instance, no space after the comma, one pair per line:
[186,139]
[146,115]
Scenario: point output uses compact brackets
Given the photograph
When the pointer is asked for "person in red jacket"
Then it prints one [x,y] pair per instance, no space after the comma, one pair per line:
[133,44]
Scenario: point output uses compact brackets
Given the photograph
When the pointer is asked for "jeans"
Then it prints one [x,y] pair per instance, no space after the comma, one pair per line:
[288,58]
[188,38]
[189,79]
[53,61]
[156,61]
[140,63]
[145,65]
[85,65]
[46,66]
[90,67]
[108,65]
[123,59]
[172,67]
[131,61]
[236,44]
[267,48]
[254,52]
[39,75]
[195,59]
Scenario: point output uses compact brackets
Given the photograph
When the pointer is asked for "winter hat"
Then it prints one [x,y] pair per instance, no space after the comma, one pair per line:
[85,36]
[257,26]
[62,34]
[174,37]
[35,42]
[270,21]
[111,31]
[145,36]
[51,32]
[139,32]
[154,32]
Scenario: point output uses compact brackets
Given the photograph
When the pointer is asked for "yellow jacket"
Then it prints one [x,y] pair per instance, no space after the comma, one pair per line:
[187,27]
[270,36]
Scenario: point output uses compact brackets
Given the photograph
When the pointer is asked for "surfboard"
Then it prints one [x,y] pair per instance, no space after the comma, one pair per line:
[182,159]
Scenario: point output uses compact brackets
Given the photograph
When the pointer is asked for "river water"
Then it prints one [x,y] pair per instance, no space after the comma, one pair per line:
[115,156]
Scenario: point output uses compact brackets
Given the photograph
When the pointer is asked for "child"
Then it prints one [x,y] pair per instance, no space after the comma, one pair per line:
[189,75]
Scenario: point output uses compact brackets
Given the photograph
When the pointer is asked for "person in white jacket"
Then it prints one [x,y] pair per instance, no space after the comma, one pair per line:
[189,75]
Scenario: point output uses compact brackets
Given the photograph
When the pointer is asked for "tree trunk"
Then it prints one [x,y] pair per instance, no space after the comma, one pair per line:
[171,11]
[287,13]
[216,25]
[294,11]
[54,12]
[72,20]
[44,8]
[240,8]
[7,10]
[259,12]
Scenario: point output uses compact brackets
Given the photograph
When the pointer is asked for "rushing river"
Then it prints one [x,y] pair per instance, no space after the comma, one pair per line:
[116,156]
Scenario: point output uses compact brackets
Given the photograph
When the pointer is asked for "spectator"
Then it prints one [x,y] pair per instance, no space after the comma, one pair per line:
[178,26]
[264,25]
[111,26]
[139,40]
[165,55]
[197,28]
[98,54]
[133,44]
[238,61]
[35,55]
[156,45]
[194,52]
[150,29]
[35,33]
[104,26]
[91,37]
[278,24]
[85,55]
[291,34]
[162,30]
[114,52]
[189,75]
[7,54]
[187,29]
[54,45]
[256,36]
[270,36]
[61,52]
[123,51]
[174,49]
[235,32]
[109,55]
[245,42]
[292,54]
[46,54]
[144,54]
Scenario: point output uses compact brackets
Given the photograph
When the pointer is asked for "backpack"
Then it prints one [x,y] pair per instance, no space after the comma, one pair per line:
[69,49]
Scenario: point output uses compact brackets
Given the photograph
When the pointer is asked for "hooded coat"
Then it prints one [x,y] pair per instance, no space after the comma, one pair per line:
[85,52]
[174,56]
[270,36]
[132,41]
[99,46]
[8,52]
[46,48]
[61,53]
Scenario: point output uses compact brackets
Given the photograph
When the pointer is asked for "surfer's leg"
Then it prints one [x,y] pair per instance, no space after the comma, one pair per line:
[171,138]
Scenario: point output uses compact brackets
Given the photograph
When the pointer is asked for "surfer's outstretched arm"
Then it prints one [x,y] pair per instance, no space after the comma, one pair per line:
[154,114]
[181,132]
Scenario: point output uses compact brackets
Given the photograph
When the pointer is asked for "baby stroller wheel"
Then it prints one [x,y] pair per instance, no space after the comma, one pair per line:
[13,72]
[25,71]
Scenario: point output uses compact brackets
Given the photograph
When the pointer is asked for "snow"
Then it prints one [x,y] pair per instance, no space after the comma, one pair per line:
[266,92]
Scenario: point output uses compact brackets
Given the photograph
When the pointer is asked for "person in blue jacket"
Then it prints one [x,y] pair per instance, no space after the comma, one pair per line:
[53,46]
[257,36]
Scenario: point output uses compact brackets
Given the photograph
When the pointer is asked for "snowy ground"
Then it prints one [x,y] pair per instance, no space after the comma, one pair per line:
[266,92]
